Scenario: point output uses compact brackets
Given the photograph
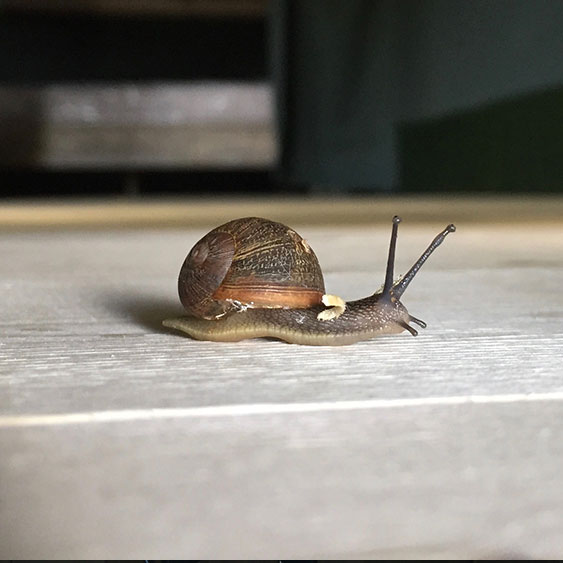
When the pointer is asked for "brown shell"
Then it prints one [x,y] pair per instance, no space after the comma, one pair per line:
[249,262]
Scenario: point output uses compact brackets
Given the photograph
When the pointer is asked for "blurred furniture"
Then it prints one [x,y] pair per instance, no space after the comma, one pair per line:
[120,85]
[187,125]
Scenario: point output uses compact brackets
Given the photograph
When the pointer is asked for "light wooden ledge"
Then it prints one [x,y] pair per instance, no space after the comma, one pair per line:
[184,212]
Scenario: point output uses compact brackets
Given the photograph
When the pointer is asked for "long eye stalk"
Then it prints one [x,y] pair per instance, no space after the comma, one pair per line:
[391,258]
[400,287]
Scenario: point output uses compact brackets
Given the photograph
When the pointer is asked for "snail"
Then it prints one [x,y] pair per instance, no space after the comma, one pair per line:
[253,278]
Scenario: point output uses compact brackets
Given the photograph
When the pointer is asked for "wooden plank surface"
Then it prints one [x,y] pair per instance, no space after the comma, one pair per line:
[331,210]
[120,438]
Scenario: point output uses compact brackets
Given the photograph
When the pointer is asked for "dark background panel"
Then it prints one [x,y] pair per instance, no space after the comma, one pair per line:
[513,145]
[94,47]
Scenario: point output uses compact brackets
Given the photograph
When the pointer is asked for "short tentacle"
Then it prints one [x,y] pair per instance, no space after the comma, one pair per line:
[416,321]
[408,327]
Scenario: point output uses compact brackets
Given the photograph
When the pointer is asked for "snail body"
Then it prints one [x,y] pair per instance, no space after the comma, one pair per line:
[231,311]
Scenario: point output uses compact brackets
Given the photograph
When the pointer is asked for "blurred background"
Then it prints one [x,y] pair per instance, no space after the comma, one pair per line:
[160,97]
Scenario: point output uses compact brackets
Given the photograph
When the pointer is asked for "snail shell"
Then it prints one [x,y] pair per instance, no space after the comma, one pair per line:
[249,263]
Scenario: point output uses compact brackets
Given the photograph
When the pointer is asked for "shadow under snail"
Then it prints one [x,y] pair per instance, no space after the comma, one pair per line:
[253,278]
